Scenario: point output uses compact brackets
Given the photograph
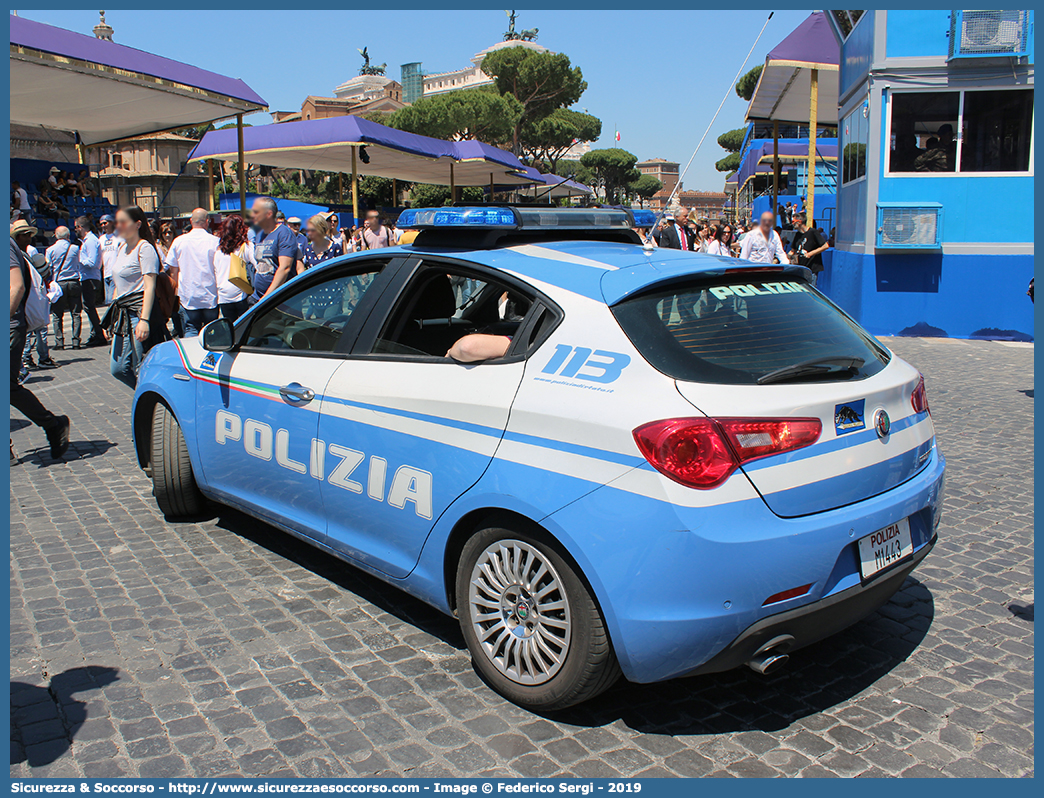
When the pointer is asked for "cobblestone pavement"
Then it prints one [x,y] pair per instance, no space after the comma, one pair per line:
[144,648]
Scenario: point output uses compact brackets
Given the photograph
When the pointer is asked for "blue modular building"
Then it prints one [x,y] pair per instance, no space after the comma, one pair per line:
[935,185]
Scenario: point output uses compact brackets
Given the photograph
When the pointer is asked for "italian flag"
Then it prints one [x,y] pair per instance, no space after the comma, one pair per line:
[617,135]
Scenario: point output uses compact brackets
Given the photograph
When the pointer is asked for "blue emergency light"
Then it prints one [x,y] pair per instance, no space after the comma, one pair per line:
[643,218]
[524,217]
[426,218]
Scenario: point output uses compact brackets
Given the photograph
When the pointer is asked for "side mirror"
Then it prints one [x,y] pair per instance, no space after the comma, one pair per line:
[218,336]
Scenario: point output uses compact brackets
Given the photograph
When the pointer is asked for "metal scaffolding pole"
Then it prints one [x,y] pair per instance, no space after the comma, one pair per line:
[241,166]
[355,188]
[813,124]
[775,166]
[210,185]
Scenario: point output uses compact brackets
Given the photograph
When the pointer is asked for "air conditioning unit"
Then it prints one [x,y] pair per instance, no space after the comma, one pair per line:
[990,34]
[902,225]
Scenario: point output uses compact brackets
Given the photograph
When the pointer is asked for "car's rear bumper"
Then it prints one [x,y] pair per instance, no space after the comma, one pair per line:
[685,589]
[813,622]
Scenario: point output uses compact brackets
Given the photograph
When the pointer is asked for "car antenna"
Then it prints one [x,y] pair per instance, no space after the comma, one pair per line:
[648,246]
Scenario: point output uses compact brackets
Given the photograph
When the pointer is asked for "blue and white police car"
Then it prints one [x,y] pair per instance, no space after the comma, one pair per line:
[677,463]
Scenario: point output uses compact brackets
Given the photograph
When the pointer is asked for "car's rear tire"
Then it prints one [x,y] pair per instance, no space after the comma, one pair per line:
[534,630]
[173,483]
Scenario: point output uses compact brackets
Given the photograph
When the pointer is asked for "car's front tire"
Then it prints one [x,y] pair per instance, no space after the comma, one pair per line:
[533,628]
[173,483]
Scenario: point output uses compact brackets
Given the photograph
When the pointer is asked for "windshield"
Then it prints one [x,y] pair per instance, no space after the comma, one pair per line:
[737,329]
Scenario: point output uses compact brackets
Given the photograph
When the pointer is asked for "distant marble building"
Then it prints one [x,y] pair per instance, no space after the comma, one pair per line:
[472,77]
[363,94]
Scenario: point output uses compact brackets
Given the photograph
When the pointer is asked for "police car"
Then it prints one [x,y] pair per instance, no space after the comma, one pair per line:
[678,464]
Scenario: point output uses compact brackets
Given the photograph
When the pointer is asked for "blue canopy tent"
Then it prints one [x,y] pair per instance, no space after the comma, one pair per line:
[547,186]
[790,88]
[349,144]
[106,91]
[302,210]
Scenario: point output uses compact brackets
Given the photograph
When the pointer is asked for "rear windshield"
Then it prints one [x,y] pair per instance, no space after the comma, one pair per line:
[739,329]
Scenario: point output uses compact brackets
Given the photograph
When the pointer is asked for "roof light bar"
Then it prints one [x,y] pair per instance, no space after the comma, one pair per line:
[643,218]
[421,218]
[527,218]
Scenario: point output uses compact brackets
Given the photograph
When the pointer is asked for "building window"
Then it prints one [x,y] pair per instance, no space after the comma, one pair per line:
[996,131]
[996,128]
[923,136]
[855,132]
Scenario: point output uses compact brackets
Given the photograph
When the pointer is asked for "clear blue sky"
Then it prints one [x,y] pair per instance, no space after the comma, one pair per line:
[656,76]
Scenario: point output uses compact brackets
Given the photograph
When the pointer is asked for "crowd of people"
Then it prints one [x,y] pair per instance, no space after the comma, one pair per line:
[762,243]
[87,268]
[156,283]
[53,195]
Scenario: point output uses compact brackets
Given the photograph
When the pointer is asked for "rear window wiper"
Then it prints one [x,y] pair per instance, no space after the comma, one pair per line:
[816,366]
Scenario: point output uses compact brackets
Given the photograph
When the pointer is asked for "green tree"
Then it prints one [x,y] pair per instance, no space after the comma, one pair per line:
[428,195]
[378,190]
[548,139]
[730,163]
[612,169]
[575,171]
[459,115]
[745,86]
[196,132]
[732,140]
[541,82]
[644,188]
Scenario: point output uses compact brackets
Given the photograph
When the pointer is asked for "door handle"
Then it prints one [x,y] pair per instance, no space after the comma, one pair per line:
[297,392]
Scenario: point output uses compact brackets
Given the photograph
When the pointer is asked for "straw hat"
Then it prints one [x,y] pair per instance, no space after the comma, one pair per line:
[22,226]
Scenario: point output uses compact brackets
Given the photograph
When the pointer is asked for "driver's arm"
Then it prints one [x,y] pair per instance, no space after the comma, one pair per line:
[478,347]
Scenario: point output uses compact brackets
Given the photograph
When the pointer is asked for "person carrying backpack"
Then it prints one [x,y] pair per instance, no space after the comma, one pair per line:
[22,399]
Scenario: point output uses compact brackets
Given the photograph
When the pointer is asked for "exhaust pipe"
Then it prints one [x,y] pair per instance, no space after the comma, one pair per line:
[767,663]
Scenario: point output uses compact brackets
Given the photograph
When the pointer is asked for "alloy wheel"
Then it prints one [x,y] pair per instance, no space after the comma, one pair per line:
[520,612]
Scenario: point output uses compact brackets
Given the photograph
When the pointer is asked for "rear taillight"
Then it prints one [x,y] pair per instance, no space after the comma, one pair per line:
[703,452]
[919,398]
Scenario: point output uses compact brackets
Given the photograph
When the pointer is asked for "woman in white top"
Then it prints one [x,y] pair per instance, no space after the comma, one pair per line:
[729,246]
[712,242]
[130,322]
[233,240]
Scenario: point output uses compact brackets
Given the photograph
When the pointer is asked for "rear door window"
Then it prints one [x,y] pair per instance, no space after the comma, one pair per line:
[748,328]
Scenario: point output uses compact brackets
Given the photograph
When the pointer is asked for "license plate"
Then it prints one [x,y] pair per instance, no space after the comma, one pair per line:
[884,548]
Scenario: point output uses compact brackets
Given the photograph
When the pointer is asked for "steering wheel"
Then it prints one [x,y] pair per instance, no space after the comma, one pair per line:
[297,339]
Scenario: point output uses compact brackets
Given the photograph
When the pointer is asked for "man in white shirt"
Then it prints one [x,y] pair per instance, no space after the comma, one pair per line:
[21,202]
[762,244]
[110,243]
[191,264]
